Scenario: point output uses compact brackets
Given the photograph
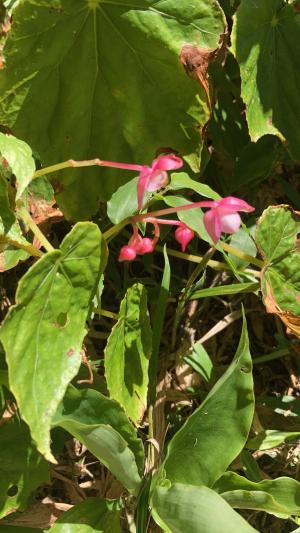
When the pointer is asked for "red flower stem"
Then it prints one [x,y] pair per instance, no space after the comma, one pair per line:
[171,210]
[154,220]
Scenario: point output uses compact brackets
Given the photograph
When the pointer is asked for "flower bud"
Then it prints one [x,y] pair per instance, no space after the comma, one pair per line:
[127,253]
[184,235]
[145,246]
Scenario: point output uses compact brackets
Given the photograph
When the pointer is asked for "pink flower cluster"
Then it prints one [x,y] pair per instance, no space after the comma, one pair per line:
[221,217]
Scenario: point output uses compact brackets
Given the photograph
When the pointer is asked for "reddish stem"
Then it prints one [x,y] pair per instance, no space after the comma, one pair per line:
[170,210]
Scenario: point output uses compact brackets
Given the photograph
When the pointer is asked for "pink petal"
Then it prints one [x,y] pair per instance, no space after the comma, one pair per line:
[157,180]
[184,235]
[212,224]
[127,253]
[230,222]
[143,180]
[235,204]
[167,162]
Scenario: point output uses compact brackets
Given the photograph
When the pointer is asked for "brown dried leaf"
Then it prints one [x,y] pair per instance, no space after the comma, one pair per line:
[196,61]
[291,321]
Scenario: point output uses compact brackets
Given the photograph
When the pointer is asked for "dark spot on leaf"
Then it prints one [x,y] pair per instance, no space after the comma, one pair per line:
[61,320]
[70,352]
[12,491]
[245,369]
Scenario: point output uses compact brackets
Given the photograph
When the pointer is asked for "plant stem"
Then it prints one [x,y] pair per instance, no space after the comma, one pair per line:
[172,210]
[216,265]
[31,250]
[270,356]
[238,253]
[112,232]
[35,229]
[108,314]
[71,163]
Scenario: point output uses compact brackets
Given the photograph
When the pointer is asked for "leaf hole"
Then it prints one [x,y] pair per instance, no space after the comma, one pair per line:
[12,491]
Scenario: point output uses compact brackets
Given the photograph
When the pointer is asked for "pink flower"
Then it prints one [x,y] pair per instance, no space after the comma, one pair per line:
[155,177]
[184,235]
[223,216]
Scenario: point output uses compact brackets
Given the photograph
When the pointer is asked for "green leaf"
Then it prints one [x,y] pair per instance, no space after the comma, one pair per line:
[123,202]
[19,156]
[115,84]
[90,408]
[223,290]
[265,42]
[200,361]
[216,432]
[10,257]
[127,354]
[271,438]
[42,334]
[279,496]
[277,238]
[91,515]
[183,508]
[181,180]
[245,243]
[108,436]
[23,469]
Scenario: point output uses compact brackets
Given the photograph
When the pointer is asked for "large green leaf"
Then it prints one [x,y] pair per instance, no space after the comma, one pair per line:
[19,157]
[115,85]
[279,496]
[216,432]
[22,468]
[127,354]
[91,407]
[183,508]
[265,41]
[90,516]
[43,333]
[277,238]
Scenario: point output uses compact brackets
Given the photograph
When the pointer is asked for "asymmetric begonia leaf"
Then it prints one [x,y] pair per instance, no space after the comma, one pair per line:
[183,508]
[115,85]
[42,334]
[280,496]
[90,516]
[277,239]
[265,42]
[22,468]
[19,157]
[216,432]
[91,407]
[127,354]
